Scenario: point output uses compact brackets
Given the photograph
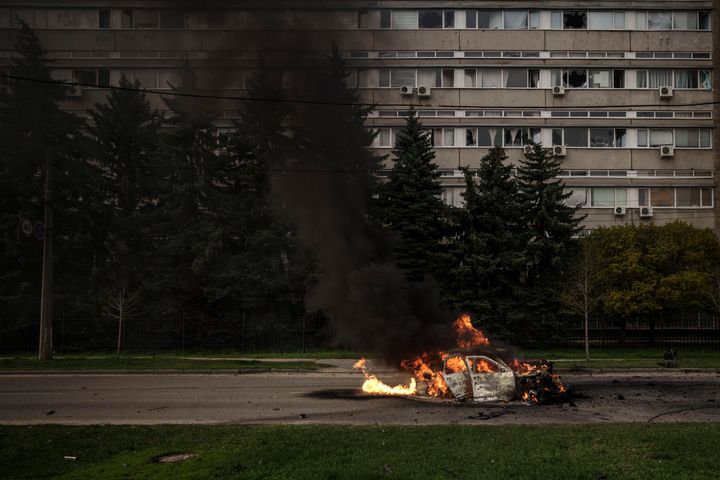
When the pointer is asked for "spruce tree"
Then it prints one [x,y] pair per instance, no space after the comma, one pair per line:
[409,203]
[125,135]
[551,225]
[33,130]
[489,250]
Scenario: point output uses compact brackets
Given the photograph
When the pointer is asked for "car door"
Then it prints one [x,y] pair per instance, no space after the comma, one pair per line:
[456,376]
[491,380]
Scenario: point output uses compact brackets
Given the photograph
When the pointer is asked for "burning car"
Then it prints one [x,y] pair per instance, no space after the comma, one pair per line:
[470,374]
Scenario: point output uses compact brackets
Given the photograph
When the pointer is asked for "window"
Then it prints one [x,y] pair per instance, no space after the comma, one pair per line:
[618,79]
[659,20]
[704,20]
[470,78]
[513,137]
[686,79]
[5,18]
[685,20]
[59,18]
[483,137]
[706,79]
[430,19]
[448,78]
[576,137]
[575,78]
[602,137]
[449,19]
[556,20]
[534,20]
[687,197]
[86,19]
[600,20]
[516,20]
[85,77]
[442,137]
[619,20]
[385,137]
[404,19]
[534,78]
[103,78]
[662,197]
[603,197]
[641,20]
[574,19]
[471,19]
[659,137]
[516,78]
[577,198]
[491,20]
[705,138]
[105,19]
[707,196]
[654,78]
[643,197]
[126,19]
[385,18]
[384,77]
[600,79]
[491,78]
[557,136]
[402,77]
[172,19]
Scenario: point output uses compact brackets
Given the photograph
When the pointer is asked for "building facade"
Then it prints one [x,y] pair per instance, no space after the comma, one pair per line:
[622,91]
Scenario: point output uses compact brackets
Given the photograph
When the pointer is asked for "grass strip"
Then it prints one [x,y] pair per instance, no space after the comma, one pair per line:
[149,363]
[627,451]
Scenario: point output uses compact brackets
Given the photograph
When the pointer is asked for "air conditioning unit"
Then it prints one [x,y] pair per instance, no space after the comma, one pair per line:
[665,92]
[646,212]
[406,91]
[620,211]
[424,91]
[558,91]
[559,150]
[527,149]
[666,151]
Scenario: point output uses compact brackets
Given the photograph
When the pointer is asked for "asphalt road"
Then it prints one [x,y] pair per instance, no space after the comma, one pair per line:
[333,397]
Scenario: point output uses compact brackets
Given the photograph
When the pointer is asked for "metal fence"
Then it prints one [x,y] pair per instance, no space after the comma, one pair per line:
[246,332]
[680,329]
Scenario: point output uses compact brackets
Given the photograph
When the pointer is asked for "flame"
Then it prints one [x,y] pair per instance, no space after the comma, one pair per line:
[375,386]
[467,335]
[426,369]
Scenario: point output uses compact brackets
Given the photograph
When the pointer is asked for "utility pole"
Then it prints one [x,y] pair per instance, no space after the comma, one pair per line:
[46,298]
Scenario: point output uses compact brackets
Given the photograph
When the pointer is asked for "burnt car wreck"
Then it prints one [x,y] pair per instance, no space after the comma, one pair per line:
[487,378]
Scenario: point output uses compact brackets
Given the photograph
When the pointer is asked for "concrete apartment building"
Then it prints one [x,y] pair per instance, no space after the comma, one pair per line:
[622,91]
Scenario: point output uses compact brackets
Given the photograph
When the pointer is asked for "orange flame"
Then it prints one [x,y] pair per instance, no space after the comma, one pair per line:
[375,386]
[426,368]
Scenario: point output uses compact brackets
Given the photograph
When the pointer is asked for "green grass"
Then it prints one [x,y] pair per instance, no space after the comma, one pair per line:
[620,451]
[628,357]
[83,362]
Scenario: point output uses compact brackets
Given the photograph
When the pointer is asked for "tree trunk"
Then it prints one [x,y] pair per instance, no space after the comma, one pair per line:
[121,318]
[587,337]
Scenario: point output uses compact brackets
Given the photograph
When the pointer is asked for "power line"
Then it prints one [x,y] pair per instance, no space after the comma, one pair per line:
[337,104]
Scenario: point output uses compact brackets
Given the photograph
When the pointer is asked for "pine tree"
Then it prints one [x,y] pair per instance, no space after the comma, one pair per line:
[409,203]
[551,225]
[125,134]
[489,250]
[35,131]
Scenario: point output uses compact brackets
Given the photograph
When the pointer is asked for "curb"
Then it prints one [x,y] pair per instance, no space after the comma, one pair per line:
[248,371]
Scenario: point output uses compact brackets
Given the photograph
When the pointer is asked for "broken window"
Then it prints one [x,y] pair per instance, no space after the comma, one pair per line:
[620,137]
[577,198]
[618,79]
[430,19]
[574,19]
[172,19]
[575,78]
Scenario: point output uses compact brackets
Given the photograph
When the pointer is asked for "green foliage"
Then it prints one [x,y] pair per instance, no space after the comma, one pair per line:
[650,269]
[126,144]
[34,129]
[409,203]
[489,249]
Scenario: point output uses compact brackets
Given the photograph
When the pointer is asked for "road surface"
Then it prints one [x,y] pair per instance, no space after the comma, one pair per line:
[333,397]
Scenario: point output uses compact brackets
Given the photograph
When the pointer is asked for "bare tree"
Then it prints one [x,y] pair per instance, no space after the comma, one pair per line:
[121,305]
[583,293]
